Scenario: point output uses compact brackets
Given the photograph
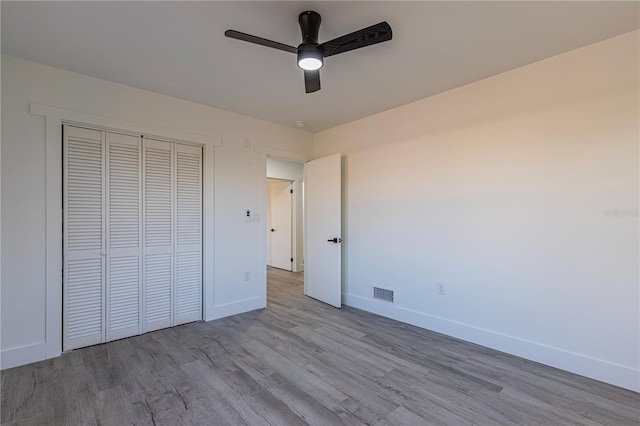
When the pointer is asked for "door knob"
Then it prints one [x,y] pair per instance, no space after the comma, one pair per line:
[335,240]
[273,230]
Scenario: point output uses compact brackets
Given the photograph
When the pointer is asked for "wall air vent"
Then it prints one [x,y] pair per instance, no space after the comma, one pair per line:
[383,294]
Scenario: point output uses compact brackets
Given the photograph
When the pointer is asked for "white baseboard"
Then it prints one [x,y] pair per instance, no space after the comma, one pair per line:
[22,355]
[584,365]
[234,308]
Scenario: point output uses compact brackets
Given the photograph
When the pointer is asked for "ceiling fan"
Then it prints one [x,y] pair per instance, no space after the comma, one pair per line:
[311,54]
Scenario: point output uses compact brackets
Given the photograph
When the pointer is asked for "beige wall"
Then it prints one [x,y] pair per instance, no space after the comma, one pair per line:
[506,191]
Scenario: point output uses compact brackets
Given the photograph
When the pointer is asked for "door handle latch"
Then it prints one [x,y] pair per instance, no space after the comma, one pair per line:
[335,240]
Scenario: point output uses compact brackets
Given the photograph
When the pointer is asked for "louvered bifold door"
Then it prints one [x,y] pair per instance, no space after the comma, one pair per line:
[84,251]
[124,230]
[158,234]
[188,288]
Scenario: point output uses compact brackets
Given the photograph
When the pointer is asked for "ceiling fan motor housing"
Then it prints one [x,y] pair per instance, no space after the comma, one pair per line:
[310,26]
[309,52]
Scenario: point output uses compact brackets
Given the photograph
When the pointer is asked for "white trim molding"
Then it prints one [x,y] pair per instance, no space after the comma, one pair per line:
[281,154]
[21,355]
[597,369]
[54,117]
[238,307]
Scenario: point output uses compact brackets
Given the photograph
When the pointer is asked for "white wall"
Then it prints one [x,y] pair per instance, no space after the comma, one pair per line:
[239,182]
[289,170]
[506,191]
[281,169]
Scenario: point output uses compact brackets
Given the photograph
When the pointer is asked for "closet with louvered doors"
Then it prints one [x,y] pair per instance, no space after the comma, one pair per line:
[132,235]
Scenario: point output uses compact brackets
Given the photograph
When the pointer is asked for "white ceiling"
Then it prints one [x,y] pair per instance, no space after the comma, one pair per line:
[179,48]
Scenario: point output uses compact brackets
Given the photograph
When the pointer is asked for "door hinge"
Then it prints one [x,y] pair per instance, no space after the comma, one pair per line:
[292,259]
[291,191]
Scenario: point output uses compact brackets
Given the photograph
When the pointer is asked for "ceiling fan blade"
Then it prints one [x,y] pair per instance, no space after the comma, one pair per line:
[259,40]
[365,37]
[311,81]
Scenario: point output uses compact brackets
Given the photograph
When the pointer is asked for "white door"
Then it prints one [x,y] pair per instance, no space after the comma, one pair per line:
[84,245]
[173,234]
[102,237]
[132,235]
[124,232]
[280,224]
[188,234]
[158,234]
[322,239]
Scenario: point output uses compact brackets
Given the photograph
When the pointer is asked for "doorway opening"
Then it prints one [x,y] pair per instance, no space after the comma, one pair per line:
[284,217]
[322,193]
[280,220]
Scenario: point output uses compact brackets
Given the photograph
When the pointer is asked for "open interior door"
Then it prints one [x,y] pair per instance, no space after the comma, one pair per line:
[322,230]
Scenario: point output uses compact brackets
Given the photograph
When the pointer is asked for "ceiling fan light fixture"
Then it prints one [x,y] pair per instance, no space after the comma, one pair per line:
[310,57]
[310,64]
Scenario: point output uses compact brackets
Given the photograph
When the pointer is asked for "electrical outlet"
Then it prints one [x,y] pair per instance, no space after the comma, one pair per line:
[247,276]
[247,216]
[440,289]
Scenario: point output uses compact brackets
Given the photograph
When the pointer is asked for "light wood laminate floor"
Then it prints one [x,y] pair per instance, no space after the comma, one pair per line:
[302,362]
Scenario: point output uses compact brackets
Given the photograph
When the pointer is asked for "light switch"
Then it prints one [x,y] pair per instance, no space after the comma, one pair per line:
[247,217]
[256,217]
